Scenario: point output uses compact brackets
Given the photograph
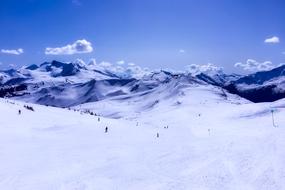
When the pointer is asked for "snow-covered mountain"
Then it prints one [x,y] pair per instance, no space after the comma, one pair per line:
[163,130]
[264,86]
[70,84]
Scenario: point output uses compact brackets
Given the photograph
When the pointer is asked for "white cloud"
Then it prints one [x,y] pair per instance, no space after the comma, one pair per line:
[129,70]
[208,69]
[13,51]
[136,71]
[92,62]
[12,65]
[80,62]
[80,46]
[121,62]
[182,51]
[252,65]
[131,64]
[105,64]
[272,40]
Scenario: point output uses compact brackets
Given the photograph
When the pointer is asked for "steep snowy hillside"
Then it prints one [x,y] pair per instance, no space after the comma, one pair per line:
[265,86]
[198,139]
[175,94]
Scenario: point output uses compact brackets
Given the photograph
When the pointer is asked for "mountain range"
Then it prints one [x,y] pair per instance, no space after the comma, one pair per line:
[70,84]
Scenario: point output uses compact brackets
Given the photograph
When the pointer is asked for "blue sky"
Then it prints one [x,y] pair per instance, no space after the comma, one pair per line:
[154,34]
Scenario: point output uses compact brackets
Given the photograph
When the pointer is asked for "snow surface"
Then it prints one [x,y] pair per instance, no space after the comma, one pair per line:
[211,142]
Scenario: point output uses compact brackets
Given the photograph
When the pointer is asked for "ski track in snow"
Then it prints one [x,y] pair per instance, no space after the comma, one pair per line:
[210,143]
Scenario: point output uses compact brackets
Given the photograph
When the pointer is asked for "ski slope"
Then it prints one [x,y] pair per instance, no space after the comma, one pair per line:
[211,142]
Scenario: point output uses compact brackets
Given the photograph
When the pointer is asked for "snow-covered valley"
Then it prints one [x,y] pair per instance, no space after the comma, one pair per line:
[197,137]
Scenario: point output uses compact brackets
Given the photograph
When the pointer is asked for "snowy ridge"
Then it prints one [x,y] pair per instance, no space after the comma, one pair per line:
[265,86]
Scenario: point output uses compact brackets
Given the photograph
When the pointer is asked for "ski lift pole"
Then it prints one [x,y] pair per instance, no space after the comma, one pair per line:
[273,122]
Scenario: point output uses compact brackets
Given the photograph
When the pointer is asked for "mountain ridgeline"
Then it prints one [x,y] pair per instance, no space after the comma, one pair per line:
[70,84]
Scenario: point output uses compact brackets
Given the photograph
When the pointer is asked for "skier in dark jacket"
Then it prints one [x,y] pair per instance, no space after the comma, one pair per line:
[106,129]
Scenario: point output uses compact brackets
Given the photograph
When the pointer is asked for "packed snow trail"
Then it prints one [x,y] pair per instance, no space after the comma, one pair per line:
[209,143]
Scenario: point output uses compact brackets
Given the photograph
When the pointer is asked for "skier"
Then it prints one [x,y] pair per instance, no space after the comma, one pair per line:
[106,129]
[98,119]
[19,112]
[157,135]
